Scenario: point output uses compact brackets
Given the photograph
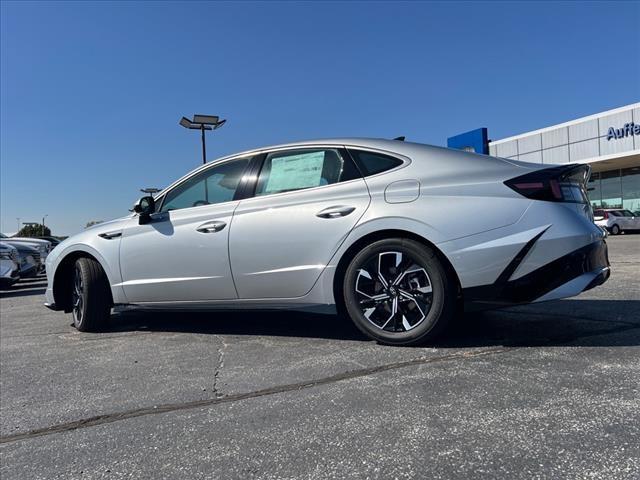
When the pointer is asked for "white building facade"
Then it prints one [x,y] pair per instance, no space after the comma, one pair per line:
[608,141]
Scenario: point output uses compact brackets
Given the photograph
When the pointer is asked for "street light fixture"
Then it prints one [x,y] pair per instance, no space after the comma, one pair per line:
[202,123]
[43,223]
[150,190]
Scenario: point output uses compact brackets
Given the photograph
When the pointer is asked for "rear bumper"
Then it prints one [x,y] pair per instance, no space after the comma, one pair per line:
[569,275]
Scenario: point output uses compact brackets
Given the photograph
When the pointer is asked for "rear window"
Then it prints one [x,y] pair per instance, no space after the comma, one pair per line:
[371,163]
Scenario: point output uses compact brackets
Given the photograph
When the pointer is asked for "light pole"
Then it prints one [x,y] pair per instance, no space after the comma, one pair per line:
[18,219]
[43,223]
[202,123]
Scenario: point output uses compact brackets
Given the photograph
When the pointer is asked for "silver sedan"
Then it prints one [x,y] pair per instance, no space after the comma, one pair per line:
[398,236]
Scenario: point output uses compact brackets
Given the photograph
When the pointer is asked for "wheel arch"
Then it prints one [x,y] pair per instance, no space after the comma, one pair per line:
[61,280]
[371,237]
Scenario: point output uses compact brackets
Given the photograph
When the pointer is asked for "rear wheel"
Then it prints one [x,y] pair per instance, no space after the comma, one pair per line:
[90,297]
[615,230]
[397,292]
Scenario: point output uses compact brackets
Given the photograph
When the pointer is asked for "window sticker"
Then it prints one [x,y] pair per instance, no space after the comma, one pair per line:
[295,171]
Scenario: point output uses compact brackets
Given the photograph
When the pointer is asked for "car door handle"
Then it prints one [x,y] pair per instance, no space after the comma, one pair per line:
[335,212]
[211,227]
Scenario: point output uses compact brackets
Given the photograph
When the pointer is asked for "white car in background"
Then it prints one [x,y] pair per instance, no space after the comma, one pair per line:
[616,220]
[43,246]
[9,268]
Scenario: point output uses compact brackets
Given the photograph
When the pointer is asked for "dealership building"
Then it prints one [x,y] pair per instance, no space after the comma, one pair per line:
[608,141]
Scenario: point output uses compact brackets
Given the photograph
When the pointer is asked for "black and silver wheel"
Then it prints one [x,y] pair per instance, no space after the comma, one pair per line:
[90,296]
[397,292]
[615,230]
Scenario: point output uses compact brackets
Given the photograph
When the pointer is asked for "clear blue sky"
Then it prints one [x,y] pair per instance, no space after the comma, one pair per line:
[91,93]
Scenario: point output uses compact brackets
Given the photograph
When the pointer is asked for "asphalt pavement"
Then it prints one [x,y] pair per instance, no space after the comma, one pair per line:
[549,390]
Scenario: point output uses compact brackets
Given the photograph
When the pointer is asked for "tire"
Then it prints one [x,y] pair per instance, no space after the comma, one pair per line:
[415,305]
[90,296]
[615,230]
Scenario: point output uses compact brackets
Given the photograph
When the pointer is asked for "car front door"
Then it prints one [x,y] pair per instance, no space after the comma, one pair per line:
[182,254]
[306,202]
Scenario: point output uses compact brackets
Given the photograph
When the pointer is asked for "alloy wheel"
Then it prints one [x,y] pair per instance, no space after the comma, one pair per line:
[394,291]
[77,296]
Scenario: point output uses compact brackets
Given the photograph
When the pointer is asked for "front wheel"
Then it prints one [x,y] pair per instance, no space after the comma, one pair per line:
[397,292]
[90,297]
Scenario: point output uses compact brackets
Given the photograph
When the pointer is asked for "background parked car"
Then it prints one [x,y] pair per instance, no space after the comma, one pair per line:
[28,260]
[53,240]
[9,268]
[42,246]
[616,220]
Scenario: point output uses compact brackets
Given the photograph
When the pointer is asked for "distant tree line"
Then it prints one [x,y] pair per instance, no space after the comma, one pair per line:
[34,230]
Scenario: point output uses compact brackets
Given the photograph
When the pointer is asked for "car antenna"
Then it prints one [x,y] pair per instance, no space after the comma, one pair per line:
[400,139]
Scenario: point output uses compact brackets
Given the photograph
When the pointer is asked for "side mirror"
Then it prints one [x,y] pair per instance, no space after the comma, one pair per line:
[144,208]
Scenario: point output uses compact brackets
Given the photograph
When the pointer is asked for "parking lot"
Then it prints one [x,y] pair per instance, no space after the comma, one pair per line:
[540,391]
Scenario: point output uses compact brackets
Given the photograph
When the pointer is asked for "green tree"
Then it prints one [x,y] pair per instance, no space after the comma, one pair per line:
[33,230]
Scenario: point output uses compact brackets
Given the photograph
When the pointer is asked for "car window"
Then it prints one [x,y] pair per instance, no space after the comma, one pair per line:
[371,163]
[615,213]
[215,185]
[627,213]
[291,170]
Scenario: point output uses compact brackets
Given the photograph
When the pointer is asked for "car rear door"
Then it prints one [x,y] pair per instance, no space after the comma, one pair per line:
[306,202]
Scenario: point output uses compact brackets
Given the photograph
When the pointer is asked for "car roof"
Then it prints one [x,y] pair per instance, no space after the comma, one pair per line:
[398,147]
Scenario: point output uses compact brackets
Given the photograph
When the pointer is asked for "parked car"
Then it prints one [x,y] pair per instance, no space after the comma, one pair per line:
[54,241]
[616,220]
[28,260]
[397,235]
[9,268]
[42,246]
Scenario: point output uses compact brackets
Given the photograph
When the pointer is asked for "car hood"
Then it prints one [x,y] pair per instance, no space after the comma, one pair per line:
[33,241]
[24,247]
[6,246]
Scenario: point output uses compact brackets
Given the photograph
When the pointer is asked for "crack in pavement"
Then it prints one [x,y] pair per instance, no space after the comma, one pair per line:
[174,407]
[348,375]
[220,365]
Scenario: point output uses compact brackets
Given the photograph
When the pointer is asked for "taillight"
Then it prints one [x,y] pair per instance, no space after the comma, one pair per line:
[606,215]
[566,183]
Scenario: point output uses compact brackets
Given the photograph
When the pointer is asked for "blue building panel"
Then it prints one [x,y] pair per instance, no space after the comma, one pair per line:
[474,141]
